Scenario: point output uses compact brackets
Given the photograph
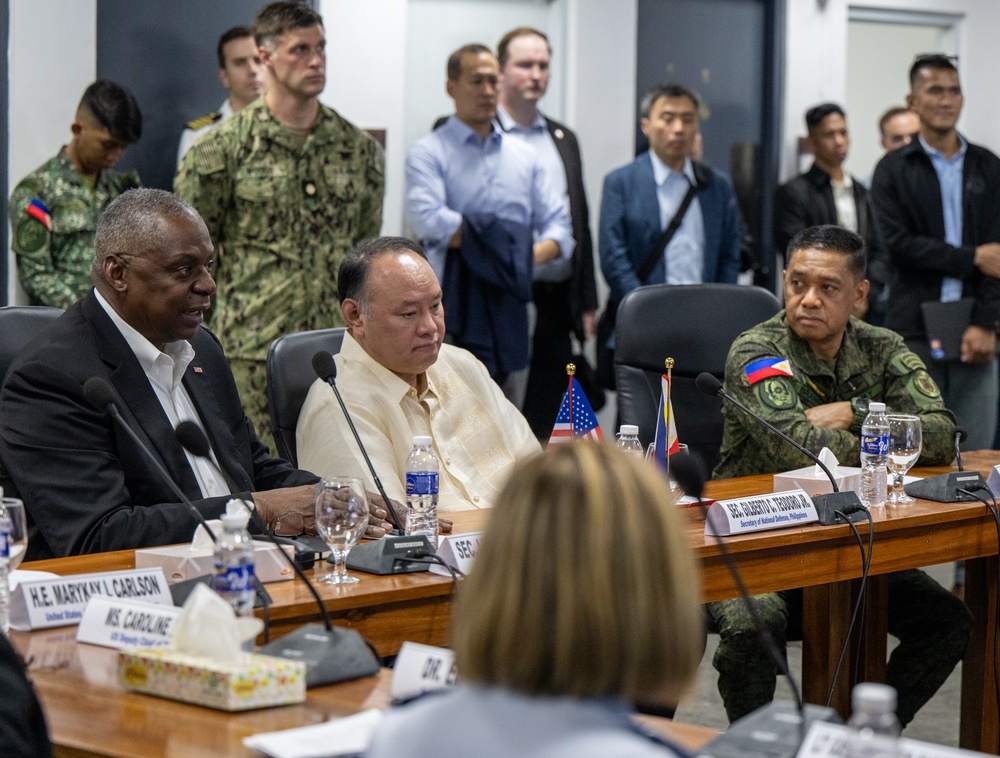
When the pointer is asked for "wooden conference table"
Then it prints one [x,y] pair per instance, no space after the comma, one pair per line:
[825,561]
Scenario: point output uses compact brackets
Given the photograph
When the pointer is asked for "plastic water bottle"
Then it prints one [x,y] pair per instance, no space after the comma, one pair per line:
[234,562]
[5,529]
[422,475]
[874,456]
[874,723]
[628,439]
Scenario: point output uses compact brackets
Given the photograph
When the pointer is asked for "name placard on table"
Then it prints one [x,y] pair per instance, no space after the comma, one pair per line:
[760,513]
[458,551]
[421,668]
[122,624]
[60,601]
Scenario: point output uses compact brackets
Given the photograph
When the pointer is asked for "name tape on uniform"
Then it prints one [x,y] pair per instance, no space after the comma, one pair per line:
[760,513]
[458,551]
[421,668]
[44,603]
[110,622]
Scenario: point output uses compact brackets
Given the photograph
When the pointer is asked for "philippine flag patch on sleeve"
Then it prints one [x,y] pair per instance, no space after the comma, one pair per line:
[765,367]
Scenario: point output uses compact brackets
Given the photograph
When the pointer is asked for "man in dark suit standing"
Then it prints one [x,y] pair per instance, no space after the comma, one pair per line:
[565,292]
[86,486]
[641,198]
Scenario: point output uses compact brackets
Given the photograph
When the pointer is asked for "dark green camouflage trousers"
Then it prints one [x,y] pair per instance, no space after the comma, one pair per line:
[932,625]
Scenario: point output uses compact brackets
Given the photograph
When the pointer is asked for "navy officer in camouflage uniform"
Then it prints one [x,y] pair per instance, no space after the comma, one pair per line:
[286,187]
[54,209]
[811,371]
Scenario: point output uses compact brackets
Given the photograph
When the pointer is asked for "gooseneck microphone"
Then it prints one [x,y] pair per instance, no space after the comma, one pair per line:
[100,395]
[331,654]
[953,487]
[826,505]
[326,369]
[959,434]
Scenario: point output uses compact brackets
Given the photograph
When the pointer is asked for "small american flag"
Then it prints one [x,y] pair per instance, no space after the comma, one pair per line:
[576,418]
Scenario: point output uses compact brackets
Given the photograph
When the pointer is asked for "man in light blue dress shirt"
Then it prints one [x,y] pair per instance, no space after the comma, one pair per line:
[469,167]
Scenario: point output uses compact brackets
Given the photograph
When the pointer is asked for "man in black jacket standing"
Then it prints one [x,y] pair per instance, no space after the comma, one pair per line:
[936,202]
[565,292]
[826,194]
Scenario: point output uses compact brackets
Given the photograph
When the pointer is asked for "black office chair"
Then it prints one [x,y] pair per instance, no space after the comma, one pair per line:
[695,325]
[18,326]
[289,376]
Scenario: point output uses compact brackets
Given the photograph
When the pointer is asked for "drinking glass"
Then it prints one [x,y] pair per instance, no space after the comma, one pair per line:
[904,449]
[17,541]
[341,519]
[682,449]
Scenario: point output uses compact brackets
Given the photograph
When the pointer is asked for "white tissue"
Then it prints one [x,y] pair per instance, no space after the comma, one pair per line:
[829,459]
[201,540]
[208,627]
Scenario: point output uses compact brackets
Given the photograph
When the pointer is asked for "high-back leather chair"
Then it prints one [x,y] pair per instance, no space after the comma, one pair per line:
[695,325]
[289,376]
[18,326]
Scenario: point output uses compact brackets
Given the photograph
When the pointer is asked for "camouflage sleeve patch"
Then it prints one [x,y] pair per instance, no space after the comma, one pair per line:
[905,362]
[776,392]
[208,156]
[30,235]
[922,384]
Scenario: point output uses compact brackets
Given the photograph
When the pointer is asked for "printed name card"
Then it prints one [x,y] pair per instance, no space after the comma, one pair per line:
[44,603]
[110,622]
[458,551]
[826,740]
[759,513]
[421,668]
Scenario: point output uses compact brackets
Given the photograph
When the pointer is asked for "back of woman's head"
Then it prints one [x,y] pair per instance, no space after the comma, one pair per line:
[584,583]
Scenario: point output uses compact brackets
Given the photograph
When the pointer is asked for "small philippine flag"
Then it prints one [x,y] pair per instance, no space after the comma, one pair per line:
[665,443]
[576,418]
[37,210]
[765,367]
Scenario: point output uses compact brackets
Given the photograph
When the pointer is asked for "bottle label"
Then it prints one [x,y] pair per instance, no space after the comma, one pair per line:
[421,483]
[4,543]
[233,578]
[874,444]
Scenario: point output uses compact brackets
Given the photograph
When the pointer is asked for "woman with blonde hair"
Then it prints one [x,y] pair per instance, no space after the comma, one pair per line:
[583,601]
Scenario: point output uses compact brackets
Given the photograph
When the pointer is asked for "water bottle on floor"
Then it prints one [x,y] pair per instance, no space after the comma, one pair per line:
[874,723]
[422,475]
[874,456]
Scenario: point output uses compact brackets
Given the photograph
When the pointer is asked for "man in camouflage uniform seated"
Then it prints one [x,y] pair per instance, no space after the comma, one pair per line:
[54,209]
[286,187]
[824,366]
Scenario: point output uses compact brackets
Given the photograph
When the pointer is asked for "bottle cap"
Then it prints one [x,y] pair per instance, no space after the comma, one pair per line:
[876,407]
[869,696]
[630,430]
[422,439]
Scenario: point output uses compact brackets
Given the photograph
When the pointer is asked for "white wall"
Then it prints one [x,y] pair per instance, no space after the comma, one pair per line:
[816,62]
[44,92]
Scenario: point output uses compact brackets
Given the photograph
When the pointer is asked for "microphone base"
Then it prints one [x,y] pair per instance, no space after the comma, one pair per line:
[389,555]
[331,655]
[944,488]
[773,730]
[846,502]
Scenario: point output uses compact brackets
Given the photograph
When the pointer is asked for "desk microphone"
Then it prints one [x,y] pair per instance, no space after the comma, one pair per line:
[953,487]
[826,505]
[331,654]
[326,369]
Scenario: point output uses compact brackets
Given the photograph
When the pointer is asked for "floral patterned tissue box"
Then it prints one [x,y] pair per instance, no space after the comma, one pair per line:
[256,681]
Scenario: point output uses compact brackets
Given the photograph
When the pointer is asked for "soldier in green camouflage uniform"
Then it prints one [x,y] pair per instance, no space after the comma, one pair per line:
[283,205]
[830,365]
[54,209]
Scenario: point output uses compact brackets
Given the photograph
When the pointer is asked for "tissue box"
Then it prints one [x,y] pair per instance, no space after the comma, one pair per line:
[815,482]
[181,562]
[256,681]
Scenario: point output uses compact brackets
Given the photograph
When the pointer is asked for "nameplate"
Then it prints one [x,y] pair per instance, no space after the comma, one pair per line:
[826,740]
[44,603]
[110,622]
[421,668]
[760,513]
[993,480]
[458,551]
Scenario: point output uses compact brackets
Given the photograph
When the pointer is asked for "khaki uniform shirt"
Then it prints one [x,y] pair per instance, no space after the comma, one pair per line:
[282,220]
[873,363]
[54,264]
[478,435]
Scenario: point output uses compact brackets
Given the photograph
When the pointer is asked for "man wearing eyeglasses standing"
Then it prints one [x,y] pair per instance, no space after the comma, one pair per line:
[936,203]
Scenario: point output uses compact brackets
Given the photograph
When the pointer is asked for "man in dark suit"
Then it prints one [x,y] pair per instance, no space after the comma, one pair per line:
[565,292]
[640,199]
[826,194]
[86,486]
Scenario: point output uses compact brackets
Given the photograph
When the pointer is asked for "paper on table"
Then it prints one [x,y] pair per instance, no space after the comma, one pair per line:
[341,737]
[24,575]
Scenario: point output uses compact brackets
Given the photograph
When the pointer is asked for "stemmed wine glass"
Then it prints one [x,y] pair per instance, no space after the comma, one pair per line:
[904,449]
[341,519]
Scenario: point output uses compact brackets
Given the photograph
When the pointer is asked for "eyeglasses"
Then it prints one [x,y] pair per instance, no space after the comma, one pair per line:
[290,524]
